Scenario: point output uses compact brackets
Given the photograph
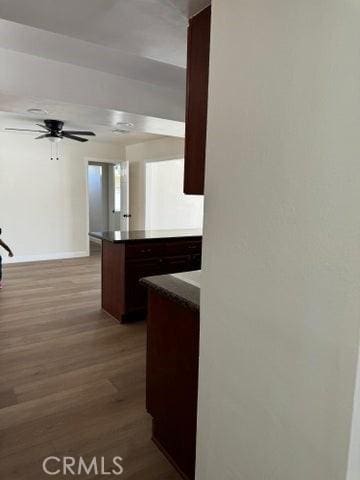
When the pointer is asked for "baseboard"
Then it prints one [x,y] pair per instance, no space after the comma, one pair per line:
[43,258]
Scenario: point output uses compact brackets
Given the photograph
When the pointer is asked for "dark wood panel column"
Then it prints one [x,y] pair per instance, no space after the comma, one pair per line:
[113,278]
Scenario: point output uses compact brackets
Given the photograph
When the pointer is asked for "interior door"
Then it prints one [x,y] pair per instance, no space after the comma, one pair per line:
[119,196]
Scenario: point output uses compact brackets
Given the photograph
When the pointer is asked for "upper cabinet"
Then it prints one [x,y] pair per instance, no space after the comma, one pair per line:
[197,101]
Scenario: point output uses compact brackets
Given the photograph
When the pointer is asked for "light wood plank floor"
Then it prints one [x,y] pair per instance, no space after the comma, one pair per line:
[72,380]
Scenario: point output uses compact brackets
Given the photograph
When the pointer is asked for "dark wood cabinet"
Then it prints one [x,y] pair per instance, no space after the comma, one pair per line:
[135,293]
[195,262]
[197,101]
[172,379]
[124,264]
[180,263]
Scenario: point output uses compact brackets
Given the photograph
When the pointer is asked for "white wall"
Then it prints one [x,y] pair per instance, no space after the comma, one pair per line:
[166,204]
[280,306]
[161,149]
[43,205]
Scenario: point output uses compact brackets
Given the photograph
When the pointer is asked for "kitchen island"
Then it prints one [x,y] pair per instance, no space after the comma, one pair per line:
[128,256]
[172,363]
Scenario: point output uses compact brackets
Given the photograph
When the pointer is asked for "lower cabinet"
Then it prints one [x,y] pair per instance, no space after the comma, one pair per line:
[172,379]
[124,264]
[135,293]
[177,264]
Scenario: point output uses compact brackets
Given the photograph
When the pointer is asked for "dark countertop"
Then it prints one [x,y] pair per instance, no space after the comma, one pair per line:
[177,287]
[139,235]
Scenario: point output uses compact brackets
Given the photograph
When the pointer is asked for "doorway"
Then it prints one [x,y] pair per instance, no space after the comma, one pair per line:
[108,197]
[98,185]
[119,196]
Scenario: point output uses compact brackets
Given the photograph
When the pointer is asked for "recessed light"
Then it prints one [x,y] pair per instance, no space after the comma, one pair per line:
[37,111]
[125,124]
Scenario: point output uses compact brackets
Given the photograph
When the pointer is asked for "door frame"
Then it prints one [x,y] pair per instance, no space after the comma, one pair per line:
[86,162]
[123,213]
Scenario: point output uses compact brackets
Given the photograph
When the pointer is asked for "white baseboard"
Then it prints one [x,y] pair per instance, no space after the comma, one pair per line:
[43,258]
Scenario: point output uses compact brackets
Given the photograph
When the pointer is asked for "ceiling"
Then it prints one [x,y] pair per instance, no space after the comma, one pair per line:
[15,108]
[104,134]
[61,48]
[153,29]
[143,40]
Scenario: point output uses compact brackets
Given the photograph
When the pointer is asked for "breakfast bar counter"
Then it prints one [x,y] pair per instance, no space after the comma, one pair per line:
[172,363]
[128,256]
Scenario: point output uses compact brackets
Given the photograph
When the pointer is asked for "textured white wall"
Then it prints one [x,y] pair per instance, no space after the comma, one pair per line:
[166,204]
[280,306]
[161,149]
[43,204]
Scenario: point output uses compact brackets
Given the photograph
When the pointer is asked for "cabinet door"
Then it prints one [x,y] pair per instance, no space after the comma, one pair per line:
[197,101]
[196,261]
[181,263]
[136,294]
[172,378]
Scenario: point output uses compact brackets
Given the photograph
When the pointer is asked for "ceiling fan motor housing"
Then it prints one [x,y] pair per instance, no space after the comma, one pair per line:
[55,127]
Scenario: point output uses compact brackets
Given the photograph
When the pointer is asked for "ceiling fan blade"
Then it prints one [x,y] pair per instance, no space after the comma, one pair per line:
[79,132]
[74,137]
[46,135]
[23,130]
[43,126]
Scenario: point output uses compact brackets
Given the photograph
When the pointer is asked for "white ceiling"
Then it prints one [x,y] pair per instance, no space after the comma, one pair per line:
[61,48]
[104,134]
[124,40]
[16,107]
[154,29]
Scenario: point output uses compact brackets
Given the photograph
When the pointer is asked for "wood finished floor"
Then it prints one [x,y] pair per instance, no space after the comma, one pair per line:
[72,380]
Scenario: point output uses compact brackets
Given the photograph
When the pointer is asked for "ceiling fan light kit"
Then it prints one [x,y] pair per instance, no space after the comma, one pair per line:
[54,132]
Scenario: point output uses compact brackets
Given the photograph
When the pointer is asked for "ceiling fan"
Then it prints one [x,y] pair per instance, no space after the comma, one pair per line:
[53,130]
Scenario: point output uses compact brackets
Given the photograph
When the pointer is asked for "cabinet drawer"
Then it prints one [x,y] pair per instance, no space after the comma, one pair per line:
[183,248]
[145,250]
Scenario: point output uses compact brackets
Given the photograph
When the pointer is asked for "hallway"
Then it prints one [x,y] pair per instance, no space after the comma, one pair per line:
[72,380]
